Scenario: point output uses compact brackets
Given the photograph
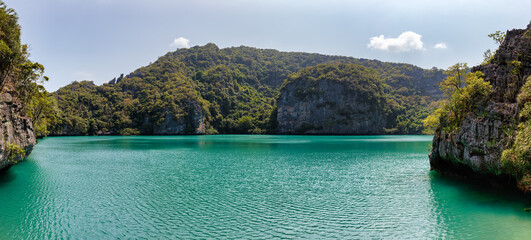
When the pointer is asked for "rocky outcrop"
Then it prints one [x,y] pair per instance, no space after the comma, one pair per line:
[115,80]
[193,123]
[16,130]
[329,106]
[478,144]
[476,147]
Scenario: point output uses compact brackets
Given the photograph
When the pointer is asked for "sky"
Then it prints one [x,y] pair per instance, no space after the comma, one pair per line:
[100,39]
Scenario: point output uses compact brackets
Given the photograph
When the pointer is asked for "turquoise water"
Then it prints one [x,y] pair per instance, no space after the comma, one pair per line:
[242,186]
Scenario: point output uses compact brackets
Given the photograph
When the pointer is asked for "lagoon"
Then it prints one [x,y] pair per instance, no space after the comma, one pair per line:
[247,186]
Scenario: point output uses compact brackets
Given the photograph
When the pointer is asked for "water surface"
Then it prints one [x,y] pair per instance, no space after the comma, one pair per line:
[241,186]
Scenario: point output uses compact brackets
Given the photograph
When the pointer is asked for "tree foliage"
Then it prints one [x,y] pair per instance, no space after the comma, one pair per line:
[11,50]
[234,88]
[464,92]
[498,37]
[517,158]
[20,76]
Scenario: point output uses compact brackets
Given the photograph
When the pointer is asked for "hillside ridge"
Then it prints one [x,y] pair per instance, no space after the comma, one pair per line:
[208,90]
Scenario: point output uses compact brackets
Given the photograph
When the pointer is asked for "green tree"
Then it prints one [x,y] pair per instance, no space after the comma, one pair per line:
[11,50]
[498,38]
[464,92]
[455,79]
[41,109]
[20,75]
[516,159]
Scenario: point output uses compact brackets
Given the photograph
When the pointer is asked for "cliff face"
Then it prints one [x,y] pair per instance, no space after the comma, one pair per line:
[16,130]
[329,106]
[339,111]
[194,123]
[476,147]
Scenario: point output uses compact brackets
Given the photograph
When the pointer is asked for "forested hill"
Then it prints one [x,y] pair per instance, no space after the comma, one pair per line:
[209,90]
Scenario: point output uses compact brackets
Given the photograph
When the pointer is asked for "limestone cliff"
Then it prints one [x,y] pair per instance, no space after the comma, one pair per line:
[476,147]
[193,123]
[321,101]
[17,133]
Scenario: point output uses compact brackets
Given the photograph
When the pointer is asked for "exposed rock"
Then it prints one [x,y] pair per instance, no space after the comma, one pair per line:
[16,131]
[476,147]
[332,108]
[116,80]
[119,79]
[193,123]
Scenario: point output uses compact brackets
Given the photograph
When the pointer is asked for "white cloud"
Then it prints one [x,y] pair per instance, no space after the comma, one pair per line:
[180,43]
[407,41]
[440,46]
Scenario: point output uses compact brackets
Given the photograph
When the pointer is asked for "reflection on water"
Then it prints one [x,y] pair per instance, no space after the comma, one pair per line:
[240,186]
[6,177]
[468,208]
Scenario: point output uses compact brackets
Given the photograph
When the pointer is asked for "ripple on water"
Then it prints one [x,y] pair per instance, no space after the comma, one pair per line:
[246,187]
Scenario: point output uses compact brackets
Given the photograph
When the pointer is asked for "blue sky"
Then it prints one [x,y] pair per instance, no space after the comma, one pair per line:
[100,39]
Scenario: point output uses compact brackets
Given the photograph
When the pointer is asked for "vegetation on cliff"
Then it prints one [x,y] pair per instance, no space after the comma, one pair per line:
[355,78]
[233,90]
[20,75]
[334,98]
[517,158]
[483,127]
[25,104]
[464,92]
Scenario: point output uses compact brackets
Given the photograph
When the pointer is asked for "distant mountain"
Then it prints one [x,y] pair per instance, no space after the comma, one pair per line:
[207,90]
